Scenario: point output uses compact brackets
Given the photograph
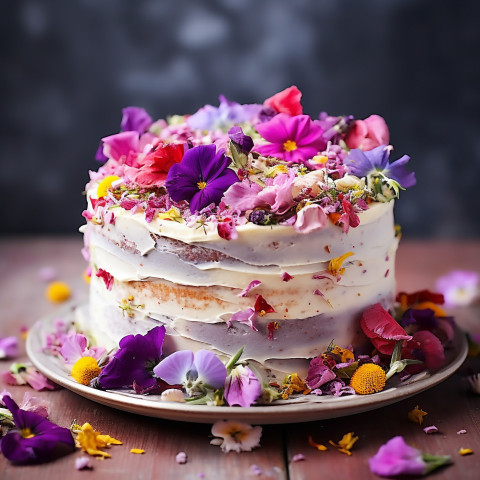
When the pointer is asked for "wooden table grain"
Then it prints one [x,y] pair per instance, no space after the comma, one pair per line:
[451,406]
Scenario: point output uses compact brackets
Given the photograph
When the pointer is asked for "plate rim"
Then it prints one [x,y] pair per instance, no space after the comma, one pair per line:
[294,412]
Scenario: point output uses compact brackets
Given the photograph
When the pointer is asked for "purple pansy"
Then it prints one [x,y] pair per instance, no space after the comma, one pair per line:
[35,439]
[362,163]
[228,113]
[242,387]
[193,371]
[134,361]
[293,139]
[201,178]
[397,458]
[135,119]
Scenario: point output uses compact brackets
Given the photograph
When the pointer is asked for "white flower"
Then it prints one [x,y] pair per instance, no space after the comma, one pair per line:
[237,436]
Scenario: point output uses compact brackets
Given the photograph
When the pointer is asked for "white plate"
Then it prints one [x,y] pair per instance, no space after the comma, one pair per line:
[303,409]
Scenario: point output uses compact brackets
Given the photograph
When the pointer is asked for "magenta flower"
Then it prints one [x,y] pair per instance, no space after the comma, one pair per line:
[318,373]
[201,178]
[134,361]
[8,347]
[242,387]
[35,439]
[196,372]
[75,347]
[293,139]
[120,146]
[106,277]
[397,458]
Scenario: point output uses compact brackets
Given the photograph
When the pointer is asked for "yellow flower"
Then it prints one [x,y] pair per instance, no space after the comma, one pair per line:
[137,450]
[85,369]
[416,415]
[335,265]
[465,451]
[172,214]
[91,441]
[105,184]
[316,445]
[58,292]
[346,443]
[294,384]
[368,378]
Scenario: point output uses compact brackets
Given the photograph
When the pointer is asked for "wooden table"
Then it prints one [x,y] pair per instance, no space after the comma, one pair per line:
[450,405]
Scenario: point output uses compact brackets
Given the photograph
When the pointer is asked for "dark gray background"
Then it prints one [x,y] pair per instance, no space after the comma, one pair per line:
[68,67]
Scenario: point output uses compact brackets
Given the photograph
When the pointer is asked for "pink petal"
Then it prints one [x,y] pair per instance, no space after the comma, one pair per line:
[247,316]
[432,349]
[309,219]
[120,145]
[252,284]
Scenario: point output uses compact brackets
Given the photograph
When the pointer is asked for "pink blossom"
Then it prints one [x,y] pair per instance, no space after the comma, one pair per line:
[310,219]
[368,134]
[318,373]
[286,101]
[242,196]
[349,218]
[119,146]
[293,139]
[75,347]
[242,387]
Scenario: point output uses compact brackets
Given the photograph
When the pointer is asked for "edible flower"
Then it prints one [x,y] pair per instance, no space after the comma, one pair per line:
[135,119]
[201,178]
[465,451]
[318,446]
[236,436]
[106,277]
[34,438]
[85,370]
[197,372]
[83,463]
[27,374]
[293,139]
[459,287]
[367,134]
[310,219]
[362,164]
[368,378]
[346,443]
[105,184]
[397,458]
[416,415]
[286,101]
[335,265]
[8,347]
[134,361]
[252,284]
[318,373]
[91,441]
[293,384]
[58,292]
[242,387]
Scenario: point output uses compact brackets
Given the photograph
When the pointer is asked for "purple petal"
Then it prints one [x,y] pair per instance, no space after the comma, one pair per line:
[242,141]
[253,284]
[73,347]
[135,119]
[9,347]
[242,387]
[247,316]
[397,171]
[210,368]
[175,367]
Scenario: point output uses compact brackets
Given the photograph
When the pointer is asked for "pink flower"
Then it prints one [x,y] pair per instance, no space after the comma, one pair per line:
[459,287]
[368,134]
[75,347]
[242,196]
[242,387]
[309,219]
[427,347]
[106,277]
[318,373]
[293,139]
[349,218]
[248,316]
[382,329]
[120,145]
[286,101]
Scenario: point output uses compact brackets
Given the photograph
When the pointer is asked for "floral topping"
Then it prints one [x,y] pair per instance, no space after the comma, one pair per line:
[85,370]
[286,101]
[397,458]
[201,178]
[106,277]
[83,463]
[105,184]
[134,361]
[34,438]
[252,284]
[368,134]
[292,139]
[416,415]
[271,327]
[242,387]
[293,384]
[135,119]
[91,441]
[286,277]
[335,266]
[236,436]
[368,378]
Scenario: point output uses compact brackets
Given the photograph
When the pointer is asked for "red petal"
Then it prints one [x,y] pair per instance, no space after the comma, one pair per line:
[262,305]
[421,296]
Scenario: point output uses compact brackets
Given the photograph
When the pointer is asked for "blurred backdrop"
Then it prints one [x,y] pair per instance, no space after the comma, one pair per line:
[68,68]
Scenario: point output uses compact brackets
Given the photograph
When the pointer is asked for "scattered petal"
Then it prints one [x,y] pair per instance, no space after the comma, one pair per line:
[345,444]
[91,441]
[298,457]
[465,451]
[255,469]
[286,277]
[9,347]
[138,451]
[181,458]
[416,415]
[83,463]
[461,432]
[252,284]
[430,429]
[316,445]
[237,436]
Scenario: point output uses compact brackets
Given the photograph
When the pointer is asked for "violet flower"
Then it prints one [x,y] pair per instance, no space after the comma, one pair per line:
[197,372]
[8,347]
[201,178]
[35,438]
[134,361]
[135,119]
[362,164]
[397,458]
[293,139]
[242,387]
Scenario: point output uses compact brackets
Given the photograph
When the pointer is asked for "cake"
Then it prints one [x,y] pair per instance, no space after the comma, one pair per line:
[252,226]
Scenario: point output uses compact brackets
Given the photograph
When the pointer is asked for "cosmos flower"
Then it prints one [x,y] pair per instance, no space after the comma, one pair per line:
[235,436]
[201,178]
[397,458]
[34,438]
[362,164]
[134,361]
[293,139]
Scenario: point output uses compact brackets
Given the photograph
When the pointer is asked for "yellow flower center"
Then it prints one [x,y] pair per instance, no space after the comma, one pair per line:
[26,433]
[368,378]
[290,145]
[201,185]
[85,370]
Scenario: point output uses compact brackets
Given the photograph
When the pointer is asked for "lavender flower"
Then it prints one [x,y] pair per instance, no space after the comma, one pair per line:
[397,458]
[362,164]
[242,387]
[134,361]
[135,119]
[34,439]
[8,347]
[201,178]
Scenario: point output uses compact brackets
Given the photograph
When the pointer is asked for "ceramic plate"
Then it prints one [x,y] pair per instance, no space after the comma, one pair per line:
[303,409]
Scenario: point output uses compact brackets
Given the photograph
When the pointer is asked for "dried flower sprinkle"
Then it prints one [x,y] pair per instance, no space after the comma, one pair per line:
[91,441]
[368,378]
[416,415]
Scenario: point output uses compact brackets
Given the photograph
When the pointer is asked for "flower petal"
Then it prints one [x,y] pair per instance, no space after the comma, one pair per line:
[210,368]
[173,369]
